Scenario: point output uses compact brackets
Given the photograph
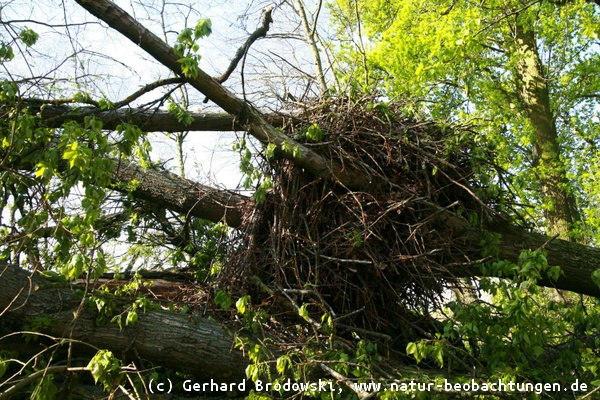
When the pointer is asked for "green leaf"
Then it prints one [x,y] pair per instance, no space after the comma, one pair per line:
[104,368]
[303,312]
[6,52]
[413,349]
[132,317]
[260,195]
[203,28]
[596,277]
[242,304]
[314,133]
[438,355]
[223,300]
[283,363]
[270,150]
[28,37]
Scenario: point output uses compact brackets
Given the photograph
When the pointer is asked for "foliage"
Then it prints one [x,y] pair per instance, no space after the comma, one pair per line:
[187,47]
[105,369]
[59,213]
[465,69]
[514,333]
[355,289]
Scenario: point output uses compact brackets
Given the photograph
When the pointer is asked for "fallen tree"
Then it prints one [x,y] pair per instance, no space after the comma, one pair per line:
[26,296]
[155,339]
[372,218]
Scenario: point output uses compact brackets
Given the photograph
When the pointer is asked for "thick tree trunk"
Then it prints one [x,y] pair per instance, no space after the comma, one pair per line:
[188,344]
[560,208]
[578,262]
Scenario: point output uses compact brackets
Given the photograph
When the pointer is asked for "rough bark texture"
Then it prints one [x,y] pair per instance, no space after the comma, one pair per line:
[247,116]
[578,262]
[561,210]
[168,190]
[191,345]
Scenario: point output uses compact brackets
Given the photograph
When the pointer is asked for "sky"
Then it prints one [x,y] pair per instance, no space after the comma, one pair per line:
[77,53]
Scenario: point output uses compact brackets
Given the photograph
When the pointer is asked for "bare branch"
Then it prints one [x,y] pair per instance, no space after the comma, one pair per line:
[310,33]
[54,116]
[258,33]
[257,126]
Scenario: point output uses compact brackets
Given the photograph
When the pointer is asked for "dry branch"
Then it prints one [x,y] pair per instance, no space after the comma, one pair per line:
[243,50]
[247,116]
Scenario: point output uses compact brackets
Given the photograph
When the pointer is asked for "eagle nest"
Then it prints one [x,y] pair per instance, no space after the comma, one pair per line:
[370,259]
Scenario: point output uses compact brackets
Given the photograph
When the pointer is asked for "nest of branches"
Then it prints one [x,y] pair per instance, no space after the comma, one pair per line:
[371,259]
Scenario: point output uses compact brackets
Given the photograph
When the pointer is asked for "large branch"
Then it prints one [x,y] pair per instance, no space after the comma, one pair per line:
[257,126]
[182,195]
[55,116]
[170,191]
[190,345]
[577,261]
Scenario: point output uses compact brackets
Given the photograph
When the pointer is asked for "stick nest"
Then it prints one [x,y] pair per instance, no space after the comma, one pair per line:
[370,259]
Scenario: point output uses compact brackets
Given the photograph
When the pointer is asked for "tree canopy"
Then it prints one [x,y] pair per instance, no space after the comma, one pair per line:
[526,73]
[417,208]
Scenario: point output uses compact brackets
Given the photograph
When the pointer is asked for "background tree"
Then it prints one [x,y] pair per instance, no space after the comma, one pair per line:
[525,73]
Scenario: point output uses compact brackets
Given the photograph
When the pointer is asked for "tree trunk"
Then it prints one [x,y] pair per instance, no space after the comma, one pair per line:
[188,344]
[560,207]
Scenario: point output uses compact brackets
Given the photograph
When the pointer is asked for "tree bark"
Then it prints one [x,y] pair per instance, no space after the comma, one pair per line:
[560,206]
[54,116]
[189,344]
[168,190]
